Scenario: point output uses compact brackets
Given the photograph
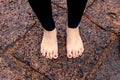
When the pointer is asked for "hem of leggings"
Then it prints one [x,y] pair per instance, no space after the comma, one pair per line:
[49,29]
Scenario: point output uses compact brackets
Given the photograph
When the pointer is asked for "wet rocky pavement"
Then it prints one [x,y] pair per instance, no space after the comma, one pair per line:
[21,34]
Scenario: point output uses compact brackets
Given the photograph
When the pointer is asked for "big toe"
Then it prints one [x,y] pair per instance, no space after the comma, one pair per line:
[55,55]
[69,54]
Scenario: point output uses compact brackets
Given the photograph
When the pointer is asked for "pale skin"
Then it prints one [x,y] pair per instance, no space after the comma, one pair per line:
[74,44]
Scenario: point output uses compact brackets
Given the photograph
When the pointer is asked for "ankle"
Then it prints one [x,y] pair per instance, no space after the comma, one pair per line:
[50,33]
[72,31]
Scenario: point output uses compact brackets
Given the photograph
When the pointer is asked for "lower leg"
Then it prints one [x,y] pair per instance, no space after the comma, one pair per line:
[43,10]
[74,42]
[75,12]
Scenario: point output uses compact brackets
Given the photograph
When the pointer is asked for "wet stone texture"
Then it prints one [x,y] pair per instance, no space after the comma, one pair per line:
[21,34]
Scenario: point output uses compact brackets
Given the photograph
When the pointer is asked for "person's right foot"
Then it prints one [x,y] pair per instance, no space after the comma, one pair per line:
[49,46]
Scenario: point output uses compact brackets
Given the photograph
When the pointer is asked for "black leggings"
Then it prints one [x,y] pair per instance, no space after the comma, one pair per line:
[43,10]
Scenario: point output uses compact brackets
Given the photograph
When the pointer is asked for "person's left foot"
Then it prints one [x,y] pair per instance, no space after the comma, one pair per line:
[74,43]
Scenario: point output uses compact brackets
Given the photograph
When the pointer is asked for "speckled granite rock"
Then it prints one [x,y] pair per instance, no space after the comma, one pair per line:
[27,50]
[110,69]
[10,69]
[16,19]
[21,32]
[106,14]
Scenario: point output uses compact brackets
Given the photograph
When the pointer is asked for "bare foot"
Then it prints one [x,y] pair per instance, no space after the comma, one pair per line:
[49,46]
[74,43]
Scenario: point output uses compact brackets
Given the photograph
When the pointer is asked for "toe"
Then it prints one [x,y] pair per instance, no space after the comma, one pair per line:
[80,52]
[55,55]
[69,54]
[43,52]
[47,54]
[50,55]
[77,53]
[74,54]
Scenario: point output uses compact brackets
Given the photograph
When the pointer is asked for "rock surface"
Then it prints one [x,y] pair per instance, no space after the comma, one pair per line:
[21,34]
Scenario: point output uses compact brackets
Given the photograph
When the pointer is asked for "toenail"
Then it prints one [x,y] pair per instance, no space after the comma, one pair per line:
[70,56]
[74,57]
[55,56]
[77,56]
[80,54]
